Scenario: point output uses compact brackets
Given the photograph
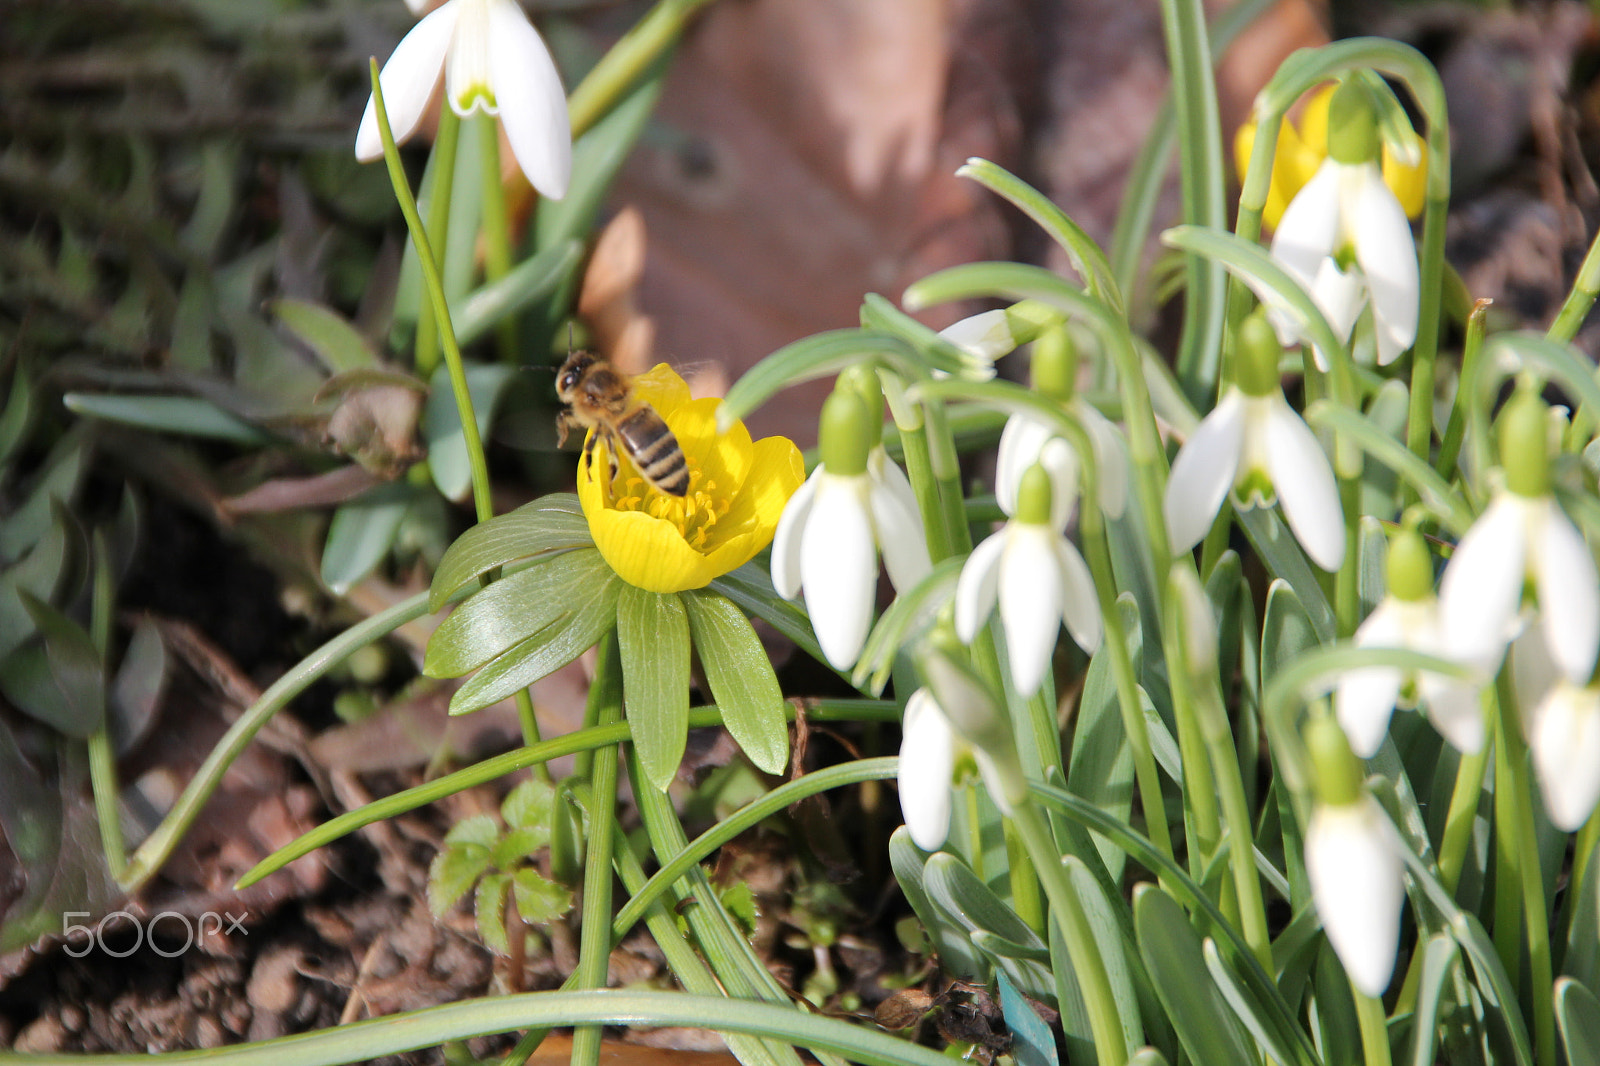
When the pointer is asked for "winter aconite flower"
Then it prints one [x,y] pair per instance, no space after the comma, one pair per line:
[1407,617]
[492,58]
[1255,445]
[1345,237]
[1303,146]
[855,503]
[1040,581]
[1523,540]
[737,491]
[1352,855]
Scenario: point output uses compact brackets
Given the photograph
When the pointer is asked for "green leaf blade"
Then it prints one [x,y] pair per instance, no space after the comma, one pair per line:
[742,682]
[653,634]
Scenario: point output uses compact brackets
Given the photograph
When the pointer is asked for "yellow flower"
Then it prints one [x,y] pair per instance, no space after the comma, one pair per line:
[737,489]
[1302,149]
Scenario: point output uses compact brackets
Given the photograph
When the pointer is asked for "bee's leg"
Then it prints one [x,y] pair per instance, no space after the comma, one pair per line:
[563,426]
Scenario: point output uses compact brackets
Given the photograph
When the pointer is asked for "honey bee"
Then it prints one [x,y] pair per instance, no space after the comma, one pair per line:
[598,397]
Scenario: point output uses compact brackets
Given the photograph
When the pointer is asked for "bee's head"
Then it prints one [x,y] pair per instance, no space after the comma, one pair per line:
[572,372]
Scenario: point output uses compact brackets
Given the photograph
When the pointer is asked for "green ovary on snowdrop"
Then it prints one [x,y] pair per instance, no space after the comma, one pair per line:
[1346,238]
[1254,445]
[492,58]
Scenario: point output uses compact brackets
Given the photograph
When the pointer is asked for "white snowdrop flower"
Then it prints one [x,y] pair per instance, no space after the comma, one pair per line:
[492,58]
[930,748]
[1564,736]
[1523,540]
[1026,440]
[1254,445]
[1040,581]
[1357,884]
[855,503]
[1407,617]
[982,338]
[1346,238]
[1353,860]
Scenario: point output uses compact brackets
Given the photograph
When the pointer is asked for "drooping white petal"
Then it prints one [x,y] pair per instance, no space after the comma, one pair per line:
[786,540]
[839,568]
[1080,605]
[1569,592]
[1364,698]
[896,522]
[1353,861]
[1110,457]
[1204,471]
[1455,710]
[1533,672]
[1481,590]
[1565,739]
[1339,296]
[1304,482]
[1030,602]
[978,586]
[532,103]
[1388,257]
[1308,232]
[985,336]
[408,80]
[1024,442]
[927,759]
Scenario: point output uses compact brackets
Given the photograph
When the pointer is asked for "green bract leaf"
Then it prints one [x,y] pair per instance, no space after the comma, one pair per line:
[361,533]
[441,424]
[547,650]
[551,523]
[741,678]
[76,668]
[816,356]
[539,900]
[653,635]
[337,343]
[1172,954]
[515,608]
[189,416]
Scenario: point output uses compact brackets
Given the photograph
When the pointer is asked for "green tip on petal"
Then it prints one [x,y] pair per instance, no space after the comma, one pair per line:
[1338,771]
[1034,496]
[1352,125]
[1256,364]
[1028,318]
[846,432]
[1055,363]
[1409,567]
[1524,444]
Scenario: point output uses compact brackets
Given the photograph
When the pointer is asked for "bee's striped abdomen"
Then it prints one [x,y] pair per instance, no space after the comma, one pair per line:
[654,450]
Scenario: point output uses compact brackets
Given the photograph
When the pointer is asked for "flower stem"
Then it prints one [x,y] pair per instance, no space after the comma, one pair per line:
[1105,1022]
[102,755]
[926,488]
[594,945]
[1213,718]
[445,142]
[1455,429]
[1374,1028]
[496,229]
[1576,307]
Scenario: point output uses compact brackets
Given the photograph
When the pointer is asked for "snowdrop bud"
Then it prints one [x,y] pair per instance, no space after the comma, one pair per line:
[1524,448]
[865,383]
[986,336]
[1338,771]
[845,433]
[1409,567]
[1055,363]
[1256,358]
[1199,624]
[1352,125]
[1034,497]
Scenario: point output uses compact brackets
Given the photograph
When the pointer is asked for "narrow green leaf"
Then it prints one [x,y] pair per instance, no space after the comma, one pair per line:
[653,634]
[957,891]
[1206,1027]
[529,282]
[1101,764]
[441,424]
[1392,453]
[1582,957]
[550,523]
[1261,1024]
[1147,1056]
[542,653]
[76,668]
[1286,630]
[1287,562]
[361,533]
[338,344]
[1578,1013]
[816,356]
[955,949]
[879,314]
[189,416]
[997,945]
[514,609]
[741,678]
[1439,956]
[912,610]
[18,412]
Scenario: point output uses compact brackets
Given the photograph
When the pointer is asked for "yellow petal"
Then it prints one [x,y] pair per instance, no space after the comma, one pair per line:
[1293,163]
[1409,184]
[661,388]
